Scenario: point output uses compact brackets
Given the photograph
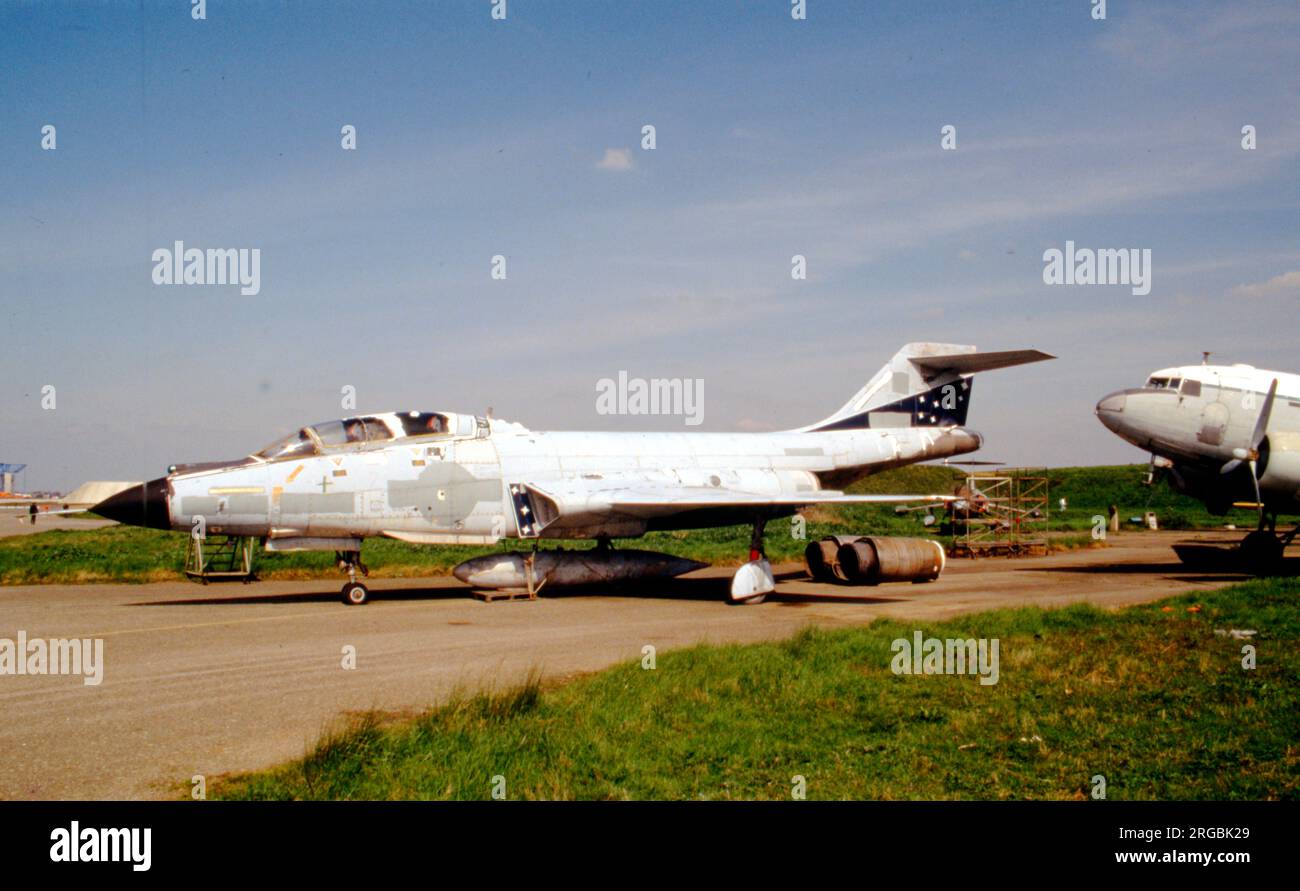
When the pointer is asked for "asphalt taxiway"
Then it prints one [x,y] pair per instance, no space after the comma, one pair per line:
[228,677]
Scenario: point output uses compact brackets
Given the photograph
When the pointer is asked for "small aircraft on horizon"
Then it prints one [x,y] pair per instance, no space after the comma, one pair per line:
[448,478]
[1228,435]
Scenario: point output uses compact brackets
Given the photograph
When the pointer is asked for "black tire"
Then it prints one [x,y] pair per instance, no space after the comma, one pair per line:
[355,594]
[1261,552]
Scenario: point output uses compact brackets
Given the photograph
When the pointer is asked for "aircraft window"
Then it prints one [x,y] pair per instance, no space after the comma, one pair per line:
[352,430]
[376,430]
[423,423]
[1191,388]
[355,430]
[331,433]
[1174,382]
[1158,383]
[294,444]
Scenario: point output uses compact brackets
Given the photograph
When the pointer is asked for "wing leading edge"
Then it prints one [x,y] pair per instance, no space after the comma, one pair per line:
[657,501]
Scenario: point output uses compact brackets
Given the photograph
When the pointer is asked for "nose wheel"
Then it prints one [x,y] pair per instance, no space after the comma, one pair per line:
[754,580]
[354,593]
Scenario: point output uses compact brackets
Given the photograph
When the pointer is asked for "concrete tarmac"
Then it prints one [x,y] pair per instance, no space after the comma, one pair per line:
[230,677]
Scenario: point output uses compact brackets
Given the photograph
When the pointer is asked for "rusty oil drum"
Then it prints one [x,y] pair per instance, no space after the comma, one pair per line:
[871,560]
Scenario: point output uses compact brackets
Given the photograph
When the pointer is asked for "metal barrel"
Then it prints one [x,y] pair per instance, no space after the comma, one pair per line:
[908,559]
[858,562]
[822,558]
[873,560]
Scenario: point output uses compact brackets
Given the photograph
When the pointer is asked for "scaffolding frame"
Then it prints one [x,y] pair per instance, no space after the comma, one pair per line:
[1004,515]
[219,557]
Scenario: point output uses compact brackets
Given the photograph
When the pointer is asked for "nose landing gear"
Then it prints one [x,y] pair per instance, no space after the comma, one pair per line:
[354,593]
[754,581]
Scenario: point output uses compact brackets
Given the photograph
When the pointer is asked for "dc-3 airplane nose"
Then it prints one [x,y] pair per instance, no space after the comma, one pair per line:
[1110,409]
[1113,403]
[142,505]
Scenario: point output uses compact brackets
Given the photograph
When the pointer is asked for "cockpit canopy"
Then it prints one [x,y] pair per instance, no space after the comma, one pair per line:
[1184,386]
[365,429]
[1163,383]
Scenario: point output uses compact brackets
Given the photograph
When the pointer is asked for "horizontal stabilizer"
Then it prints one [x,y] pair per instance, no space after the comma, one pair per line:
[922,385]
[969,363]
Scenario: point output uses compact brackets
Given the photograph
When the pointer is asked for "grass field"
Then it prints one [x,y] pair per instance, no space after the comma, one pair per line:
[1149,697]
[126,554]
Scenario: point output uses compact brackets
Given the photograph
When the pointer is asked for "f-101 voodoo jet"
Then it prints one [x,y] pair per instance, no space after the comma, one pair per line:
[448,478]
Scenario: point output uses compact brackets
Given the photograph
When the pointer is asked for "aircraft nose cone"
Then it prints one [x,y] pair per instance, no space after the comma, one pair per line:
[142,505]
[1112,403]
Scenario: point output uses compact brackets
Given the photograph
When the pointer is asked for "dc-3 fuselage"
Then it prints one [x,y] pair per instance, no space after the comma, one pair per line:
[1204,423]
[1226,434]
[451,478]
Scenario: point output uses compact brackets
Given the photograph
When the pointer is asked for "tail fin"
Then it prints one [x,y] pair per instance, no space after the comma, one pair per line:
[923,385]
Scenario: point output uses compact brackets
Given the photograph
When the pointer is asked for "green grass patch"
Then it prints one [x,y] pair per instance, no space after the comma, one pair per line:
[1149,697]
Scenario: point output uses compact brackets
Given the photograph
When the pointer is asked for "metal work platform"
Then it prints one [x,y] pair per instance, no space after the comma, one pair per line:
[1001,515]
[220,557]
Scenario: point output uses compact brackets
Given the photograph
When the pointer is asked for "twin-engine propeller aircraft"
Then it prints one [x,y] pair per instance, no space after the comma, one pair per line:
[445,478]
[1228,435]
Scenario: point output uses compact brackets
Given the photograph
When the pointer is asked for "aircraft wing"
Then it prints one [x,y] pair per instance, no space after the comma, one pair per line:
[702,497]
[67,511]
[650,501]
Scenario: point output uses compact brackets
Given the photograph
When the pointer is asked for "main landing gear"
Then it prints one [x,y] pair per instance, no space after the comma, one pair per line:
[754,581]
[354,593]
[1261,551]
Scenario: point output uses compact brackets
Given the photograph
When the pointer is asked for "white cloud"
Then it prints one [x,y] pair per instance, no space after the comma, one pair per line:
[1285,285]
[616,159]
[1168,37]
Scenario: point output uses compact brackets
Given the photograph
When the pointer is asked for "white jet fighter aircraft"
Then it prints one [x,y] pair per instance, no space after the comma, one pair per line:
[1225,434]
[446,478]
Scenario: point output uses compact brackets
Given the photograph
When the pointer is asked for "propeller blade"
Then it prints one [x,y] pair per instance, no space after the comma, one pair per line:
[1256,438]
[1261,425]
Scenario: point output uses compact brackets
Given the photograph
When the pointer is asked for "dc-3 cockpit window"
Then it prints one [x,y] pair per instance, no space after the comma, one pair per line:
[423,423]
[352,430]
[1164,383]
[292,446]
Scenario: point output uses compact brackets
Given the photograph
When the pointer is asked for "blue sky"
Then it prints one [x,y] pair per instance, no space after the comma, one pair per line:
[477,137]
